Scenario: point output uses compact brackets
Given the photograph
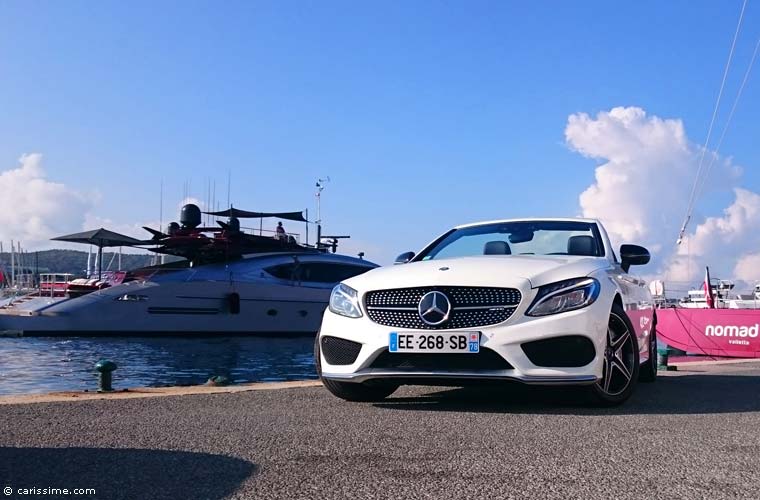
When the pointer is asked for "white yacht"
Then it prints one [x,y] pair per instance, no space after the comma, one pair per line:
[723,296]
[696,298]
[226,285]
[746,301]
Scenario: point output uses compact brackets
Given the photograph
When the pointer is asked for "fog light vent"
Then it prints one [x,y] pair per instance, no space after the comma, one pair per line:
[565,352]
[339,351]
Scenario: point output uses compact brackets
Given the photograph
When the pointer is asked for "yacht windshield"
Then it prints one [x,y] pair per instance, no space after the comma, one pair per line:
[518,238]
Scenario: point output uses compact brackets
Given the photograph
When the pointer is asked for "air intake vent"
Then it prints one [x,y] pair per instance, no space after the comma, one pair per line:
[563,352]
[486,359]
[339,351]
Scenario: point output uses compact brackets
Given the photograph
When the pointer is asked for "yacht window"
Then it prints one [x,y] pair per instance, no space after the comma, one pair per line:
[317,272]
[283,271]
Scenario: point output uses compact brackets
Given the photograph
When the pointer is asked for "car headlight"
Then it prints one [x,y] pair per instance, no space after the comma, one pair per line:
[344,300]
[564,296]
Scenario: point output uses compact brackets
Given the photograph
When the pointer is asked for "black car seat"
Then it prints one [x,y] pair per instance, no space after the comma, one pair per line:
[581,245]
[496,248]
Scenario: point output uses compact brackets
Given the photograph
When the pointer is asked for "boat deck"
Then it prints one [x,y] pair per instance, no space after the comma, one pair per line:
[28,305]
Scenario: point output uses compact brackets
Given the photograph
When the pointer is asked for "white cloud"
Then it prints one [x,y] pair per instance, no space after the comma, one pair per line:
[33,209]
[641,192]
[748,267]
[724,243]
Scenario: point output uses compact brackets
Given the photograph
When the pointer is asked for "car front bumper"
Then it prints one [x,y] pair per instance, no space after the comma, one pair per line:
[505,339]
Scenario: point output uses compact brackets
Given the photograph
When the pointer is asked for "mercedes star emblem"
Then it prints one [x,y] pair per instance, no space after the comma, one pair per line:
[434,308]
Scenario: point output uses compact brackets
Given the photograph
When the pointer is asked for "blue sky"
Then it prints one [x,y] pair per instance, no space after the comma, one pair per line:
[423,114]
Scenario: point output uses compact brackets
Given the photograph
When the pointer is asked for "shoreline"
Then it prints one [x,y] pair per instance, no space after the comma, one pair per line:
[152,392]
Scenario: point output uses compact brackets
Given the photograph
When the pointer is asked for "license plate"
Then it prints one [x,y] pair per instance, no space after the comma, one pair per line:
[462,342]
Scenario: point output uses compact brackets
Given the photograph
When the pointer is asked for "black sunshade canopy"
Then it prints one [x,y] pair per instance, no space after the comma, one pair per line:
[245,214]
[100,237]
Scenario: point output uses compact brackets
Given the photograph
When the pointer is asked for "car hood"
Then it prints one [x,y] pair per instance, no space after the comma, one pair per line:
[485,270]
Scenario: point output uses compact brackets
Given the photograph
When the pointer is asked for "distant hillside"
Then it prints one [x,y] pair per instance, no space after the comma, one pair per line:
[73,261]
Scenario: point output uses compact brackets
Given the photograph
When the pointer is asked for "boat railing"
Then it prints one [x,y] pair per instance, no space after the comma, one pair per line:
[54,284]
[271,233]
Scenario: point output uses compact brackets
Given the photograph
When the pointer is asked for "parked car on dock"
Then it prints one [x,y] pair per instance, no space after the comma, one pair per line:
[540,301]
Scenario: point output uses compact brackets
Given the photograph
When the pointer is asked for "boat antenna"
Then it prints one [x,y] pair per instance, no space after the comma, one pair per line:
[320,187]
[229,183]
[692,196]
[207,202]
[161,206]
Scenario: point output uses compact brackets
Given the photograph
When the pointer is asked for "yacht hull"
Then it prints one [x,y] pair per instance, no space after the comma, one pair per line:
[173,309]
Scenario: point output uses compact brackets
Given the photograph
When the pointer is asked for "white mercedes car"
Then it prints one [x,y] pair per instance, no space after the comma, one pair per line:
[540,301]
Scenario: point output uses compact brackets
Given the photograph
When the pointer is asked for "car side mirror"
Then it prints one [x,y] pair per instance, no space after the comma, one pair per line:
[633,255]
[404,258]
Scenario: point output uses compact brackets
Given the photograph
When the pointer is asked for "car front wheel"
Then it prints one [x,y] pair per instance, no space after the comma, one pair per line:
[372,390]
[621,361]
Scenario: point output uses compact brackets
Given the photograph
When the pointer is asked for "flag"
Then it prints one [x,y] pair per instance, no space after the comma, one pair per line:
[708,290]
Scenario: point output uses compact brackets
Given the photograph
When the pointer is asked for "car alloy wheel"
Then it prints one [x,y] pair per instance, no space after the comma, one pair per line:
[619,357]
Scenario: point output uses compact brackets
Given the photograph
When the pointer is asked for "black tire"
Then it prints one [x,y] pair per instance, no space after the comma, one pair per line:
[621,362]
[371,390]
[648,370]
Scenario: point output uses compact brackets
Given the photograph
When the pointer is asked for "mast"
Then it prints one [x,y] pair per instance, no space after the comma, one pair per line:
[161,207]
[13,264]
[701,175]
[89,261]
[320,188]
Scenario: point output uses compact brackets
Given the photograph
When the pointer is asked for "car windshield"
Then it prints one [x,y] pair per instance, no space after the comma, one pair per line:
[518,238]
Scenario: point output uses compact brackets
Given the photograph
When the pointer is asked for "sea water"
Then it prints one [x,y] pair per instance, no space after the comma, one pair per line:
[37,365]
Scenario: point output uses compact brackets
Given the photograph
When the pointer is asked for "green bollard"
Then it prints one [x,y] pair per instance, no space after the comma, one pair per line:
[662,359]
[105,367]
[673,352]
[663,355]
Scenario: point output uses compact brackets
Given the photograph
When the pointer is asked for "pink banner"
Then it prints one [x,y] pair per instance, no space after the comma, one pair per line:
[715,332]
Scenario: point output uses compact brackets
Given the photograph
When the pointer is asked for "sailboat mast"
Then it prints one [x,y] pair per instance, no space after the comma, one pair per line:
[13,264]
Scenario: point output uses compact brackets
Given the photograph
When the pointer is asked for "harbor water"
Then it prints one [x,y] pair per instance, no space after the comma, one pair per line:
[39,365]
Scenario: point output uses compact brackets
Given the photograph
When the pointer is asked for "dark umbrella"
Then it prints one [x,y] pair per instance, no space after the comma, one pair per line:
[101,238]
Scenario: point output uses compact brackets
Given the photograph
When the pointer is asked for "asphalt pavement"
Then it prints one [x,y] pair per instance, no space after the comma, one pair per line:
[692,434]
